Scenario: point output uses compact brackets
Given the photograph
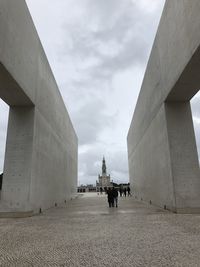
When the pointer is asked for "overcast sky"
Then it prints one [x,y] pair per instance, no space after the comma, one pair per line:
[98,51]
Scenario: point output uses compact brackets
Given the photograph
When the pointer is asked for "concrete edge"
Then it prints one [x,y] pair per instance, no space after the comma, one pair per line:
[16,214]
[187,210]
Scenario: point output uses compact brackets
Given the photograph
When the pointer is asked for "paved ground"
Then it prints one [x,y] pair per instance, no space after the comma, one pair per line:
[86,232]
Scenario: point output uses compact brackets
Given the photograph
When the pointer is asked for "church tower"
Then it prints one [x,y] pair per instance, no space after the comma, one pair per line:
[103,167]
[104,179]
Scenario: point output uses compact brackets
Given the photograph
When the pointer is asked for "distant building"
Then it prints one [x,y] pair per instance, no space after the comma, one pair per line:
[103,183]
[103,179]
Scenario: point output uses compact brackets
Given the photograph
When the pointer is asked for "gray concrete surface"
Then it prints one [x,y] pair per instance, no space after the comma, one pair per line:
[41,150]
[87,233]
[163,160]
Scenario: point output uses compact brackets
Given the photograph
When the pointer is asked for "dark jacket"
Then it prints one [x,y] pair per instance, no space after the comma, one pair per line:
[110,195]
[115,193]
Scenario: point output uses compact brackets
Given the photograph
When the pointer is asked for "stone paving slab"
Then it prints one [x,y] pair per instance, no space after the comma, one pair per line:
[85,232]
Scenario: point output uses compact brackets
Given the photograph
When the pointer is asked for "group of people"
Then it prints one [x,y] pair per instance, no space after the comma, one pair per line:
[125,191]
[112,194]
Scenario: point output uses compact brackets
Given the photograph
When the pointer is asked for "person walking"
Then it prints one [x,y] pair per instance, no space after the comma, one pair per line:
[120,191]
[110,197]
[129,191]
[125,191]
[115,196]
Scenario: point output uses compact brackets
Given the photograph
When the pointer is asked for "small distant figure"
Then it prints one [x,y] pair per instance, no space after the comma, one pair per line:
[129,191]
[115,196]
[125,191]
[110,197]
[101,190]
[120,191]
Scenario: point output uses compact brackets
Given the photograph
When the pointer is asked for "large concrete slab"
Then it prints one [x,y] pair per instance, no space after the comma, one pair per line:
[41,151]
[162,152]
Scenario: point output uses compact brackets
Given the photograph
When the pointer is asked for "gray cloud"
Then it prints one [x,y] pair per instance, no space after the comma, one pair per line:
[3,131]
[197,135]
[90,120]
[195,104]
[113,35]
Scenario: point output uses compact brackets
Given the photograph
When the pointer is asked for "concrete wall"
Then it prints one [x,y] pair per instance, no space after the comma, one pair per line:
[162,152]
[41,151]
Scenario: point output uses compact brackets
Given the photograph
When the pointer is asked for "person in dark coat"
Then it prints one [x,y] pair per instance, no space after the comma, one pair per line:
[1,180]
[125,191]
[110,197]
[115,196]
[120,191]
[129,191]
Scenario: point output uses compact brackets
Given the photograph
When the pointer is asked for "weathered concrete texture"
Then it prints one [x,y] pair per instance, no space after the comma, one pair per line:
[88,233]
[151,169]
[41,151]
[162,152]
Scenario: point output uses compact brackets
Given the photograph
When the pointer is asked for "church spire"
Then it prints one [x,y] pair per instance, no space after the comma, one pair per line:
[103,166]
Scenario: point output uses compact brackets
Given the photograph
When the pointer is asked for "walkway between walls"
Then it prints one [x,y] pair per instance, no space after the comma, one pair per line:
[86,232]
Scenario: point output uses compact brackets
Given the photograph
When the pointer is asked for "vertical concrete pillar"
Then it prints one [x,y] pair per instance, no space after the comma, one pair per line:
[41,154]
[184,157]
[166,144]
[18,158]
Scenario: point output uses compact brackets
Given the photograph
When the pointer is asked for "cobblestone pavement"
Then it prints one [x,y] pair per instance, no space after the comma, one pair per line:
[85,232]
